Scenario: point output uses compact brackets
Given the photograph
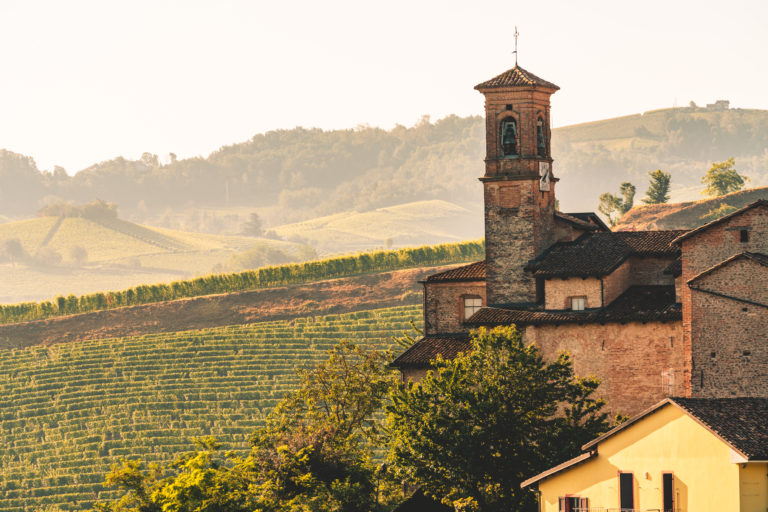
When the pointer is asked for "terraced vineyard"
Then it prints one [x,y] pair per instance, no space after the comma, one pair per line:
[69,411]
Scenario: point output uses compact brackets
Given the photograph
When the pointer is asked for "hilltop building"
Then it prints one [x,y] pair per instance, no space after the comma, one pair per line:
[653,314]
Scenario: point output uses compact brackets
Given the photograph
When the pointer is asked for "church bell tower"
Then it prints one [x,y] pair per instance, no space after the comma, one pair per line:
[519,188]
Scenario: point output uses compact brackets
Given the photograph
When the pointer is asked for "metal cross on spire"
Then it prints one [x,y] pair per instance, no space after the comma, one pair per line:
[515,52]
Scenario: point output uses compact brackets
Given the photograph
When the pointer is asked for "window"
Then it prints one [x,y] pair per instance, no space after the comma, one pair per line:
[471,306]
[573,504]
[509,137]
[668,492]
[578,303]
[744,235]
[668,381]
[626,491]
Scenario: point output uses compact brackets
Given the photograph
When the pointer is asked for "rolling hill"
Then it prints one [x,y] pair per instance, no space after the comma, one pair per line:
[71,410]
[119,254]
[416,223]
[288,176]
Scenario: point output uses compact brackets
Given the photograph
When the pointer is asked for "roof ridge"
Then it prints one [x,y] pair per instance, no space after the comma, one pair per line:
[704,227]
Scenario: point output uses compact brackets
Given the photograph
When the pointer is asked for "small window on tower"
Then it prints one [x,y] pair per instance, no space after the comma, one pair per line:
[578,303]
[540,144]
[509,137]
[471,306]
[744,235]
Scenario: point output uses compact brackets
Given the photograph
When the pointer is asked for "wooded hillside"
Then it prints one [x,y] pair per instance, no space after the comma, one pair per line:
[304,173]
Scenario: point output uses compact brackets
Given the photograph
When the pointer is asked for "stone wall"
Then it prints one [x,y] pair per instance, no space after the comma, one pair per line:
[519,225]
[638,363]
[703,251]
[729,310]
[557,292]
[444,305]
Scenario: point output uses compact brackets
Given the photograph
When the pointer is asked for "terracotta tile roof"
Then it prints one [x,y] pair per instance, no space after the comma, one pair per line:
[427,348]
[740,422]
[575,221]
[637,304]
[598,254]
[760,202]
[472,272]
[516,77]
[675,268]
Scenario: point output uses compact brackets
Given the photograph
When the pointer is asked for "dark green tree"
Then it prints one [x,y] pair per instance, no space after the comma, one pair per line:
[477,426]
[658,191]
[722,178]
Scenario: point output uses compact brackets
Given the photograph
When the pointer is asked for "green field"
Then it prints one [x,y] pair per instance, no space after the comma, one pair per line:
[71,410]
[119,254]
[419,222]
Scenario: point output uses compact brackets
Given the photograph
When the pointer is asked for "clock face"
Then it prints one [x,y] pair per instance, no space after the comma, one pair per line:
[544,176]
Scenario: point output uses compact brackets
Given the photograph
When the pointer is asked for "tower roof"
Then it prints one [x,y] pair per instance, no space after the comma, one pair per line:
[516,77]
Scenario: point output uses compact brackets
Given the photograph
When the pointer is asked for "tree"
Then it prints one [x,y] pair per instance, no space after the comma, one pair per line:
[78,254]
[14,250]
[314,454]
[253,226]
[722,178]
[658,191]
[477,426]
[614,207]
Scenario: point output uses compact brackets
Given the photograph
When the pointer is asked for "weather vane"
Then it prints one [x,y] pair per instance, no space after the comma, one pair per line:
[515,52]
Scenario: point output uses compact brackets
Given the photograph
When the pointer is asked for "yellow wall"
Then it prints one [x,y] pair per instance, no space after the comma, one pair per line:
[667,440]
[753,487]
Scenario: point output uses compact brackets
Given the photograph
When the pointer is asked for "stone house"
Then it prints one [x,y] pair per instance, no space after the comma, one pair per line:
[653,314]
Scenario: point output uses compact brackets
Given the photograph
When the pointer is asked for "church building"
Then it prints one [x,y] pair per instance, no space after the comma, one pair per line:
[653,314]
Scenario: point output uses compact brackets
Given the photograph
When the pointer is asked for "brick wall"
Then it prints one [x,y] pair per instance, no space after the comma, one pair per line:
[703,251]
[730,355]
[638,363]
[557,291]
[444,305]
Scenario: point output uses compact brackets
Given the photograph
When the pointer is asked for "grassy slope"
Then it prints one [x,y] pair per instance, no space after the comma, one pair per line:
[419,222]
[685,215]
[116,259]
[72,410]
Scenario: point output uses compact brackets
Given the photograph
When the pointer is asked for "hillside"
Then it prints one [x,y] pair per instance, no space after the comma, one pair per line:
[116,254]
[687,215]
[419,222]
[71,410]
[295,175]
[344,295]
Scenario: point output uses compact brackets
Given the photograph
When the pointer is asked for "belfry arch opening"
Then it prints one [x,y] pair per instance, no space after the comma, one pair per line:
[509,139]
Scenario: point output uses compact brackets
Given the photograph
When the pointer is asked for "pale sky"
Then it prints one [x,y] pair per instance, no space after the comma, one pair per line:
[84,82]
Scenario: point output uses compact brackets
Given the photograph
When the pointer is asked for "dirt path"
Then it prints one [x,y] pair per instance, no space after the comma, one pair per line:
[323,297]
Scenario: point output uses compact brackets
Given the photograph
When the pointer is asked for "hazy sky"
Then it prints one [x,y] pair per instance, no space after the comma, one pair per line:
[84,82]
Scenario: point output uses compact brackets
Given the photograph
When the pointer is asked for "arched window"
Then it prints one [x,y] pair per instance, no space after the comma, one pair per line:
[541,145]
[509,137]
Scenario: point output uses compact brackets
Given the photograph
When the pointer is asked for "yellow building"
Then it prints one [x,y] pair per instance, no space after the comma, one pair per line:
[683,454]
